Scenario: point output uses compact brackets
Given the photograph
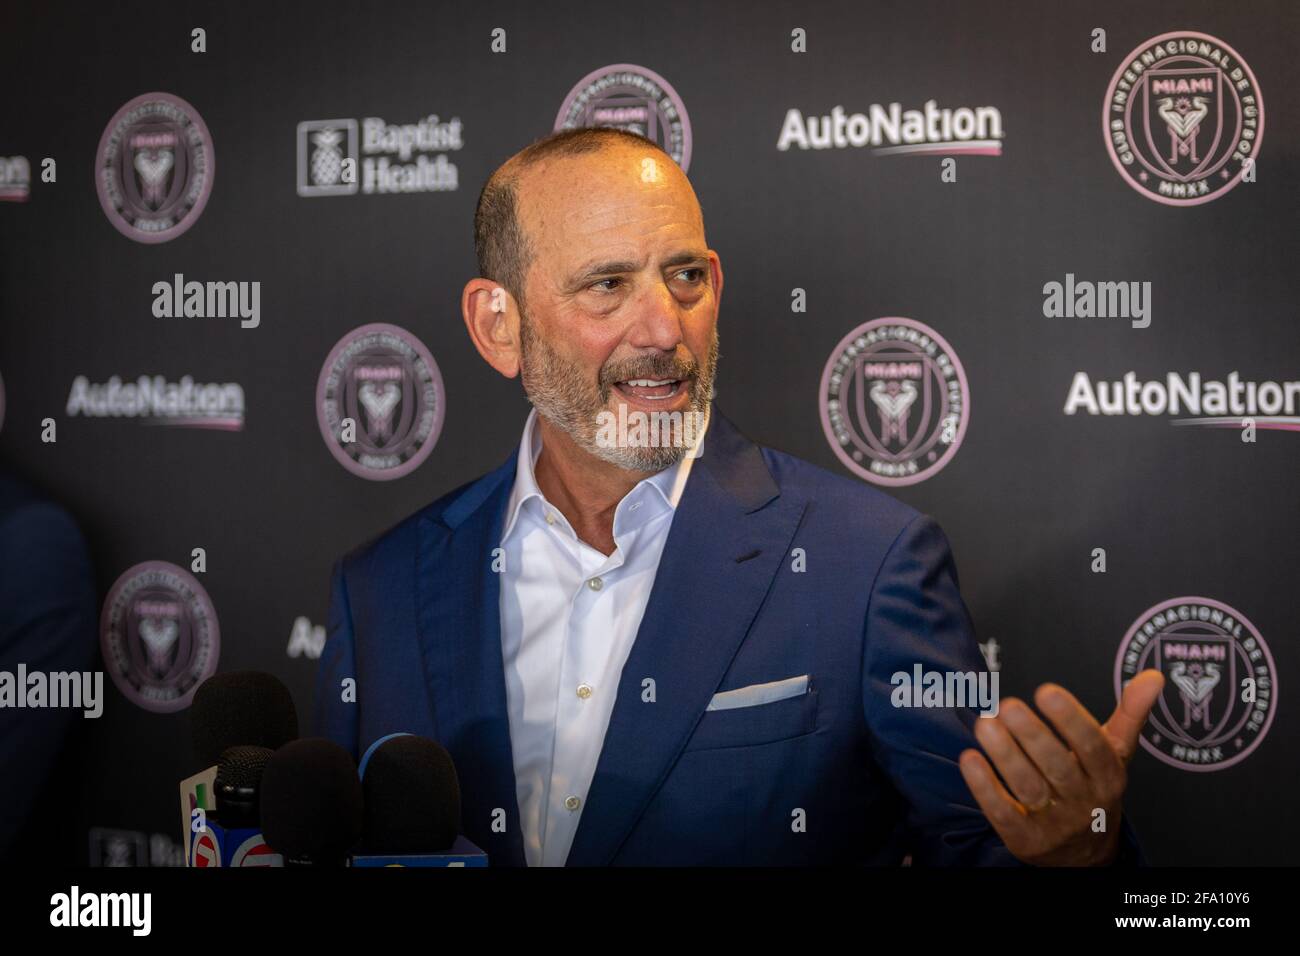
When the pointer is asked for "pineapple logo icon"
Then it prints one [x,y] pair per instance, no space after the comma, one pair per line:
[326,159]
[323,146]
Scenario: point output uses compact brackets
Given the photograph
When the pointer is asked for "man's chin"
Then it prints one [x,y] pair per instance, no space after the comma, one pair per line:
[635,458]
[646,438]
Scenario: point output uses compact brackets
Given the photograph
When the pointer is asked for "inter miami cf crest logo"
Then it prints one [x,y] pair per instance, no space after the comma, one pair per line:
[1220,683]
[380,402]
[154,168]
[894,401]
[633,98]
[159,635]
[1182,117]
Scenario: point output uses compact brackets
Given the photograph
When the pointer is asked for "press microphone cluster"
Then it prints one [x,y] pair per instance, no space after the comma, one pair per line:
[238,721]
[282,801]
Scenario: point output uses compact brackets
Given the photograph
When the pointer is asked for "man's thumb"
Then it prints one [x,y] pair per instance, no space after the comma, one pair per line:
[1130,714]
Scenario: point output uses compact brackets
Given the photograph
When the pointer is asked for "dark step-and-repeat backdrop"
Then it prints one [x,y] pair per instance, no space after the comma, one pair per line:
[1030,267]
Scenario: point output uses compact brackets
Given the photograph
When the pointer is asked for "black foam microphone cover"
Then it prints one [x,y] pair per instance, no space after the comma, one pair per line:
[412,797]
[241,708]
[238,785]
[311,803]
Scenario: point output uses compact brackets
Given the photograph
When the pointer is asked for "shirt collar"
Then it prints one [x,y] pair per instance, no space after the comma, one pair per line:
[668,485]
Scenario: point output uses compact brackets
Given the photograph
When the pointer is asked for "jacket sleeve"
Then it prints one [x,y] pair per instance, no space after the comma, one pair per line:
[334,717]
[916,615]
[47,622]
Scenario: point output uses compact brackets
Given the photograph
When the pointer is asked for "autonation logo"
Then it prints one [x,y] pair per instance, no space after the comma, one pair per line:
[891,129]
[1207,402]
[157,401]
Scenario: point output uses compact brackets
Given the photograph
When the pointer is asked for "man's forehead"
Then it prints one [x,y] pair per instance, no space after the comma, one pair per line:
[563,191]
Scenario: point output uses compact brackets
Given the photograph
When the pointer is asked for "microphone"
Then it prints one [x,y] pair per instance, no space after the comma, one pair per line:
[241,708]
[232,836]
[311,803]
[239,777]
[412,806]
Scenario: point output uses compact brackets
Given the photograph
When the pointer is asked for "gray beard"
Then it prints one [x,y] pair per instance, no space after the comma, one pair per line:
[564,395]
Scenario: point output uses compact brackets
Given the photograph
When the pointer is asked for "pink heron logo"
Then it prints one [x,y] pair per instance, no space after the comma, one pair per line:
[380,402]
[1220,682]
[625,96]
[159,635]
[894,401]
[1183,117]
[154,168]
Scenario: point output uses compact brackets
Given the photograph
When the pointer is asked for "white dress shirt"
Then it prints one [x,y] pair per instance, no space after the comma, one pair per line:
[569,617]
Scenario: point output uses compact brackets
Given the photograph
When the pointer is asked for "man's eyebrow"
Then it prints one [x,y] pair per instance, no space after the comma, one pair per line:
[590,271]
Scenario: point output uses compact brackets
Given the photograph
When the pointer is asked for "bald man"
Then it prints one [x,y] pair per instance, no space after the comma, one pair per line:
[646,640]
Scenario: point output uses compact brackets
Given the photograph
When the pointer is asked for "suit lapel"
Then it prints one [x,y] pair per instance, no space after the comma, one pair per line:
[731,532]
[458,611]
[727,541]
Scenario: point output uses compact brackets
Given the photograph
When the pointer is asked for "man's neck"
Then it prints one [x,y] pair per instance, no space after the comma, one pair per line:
[585,488]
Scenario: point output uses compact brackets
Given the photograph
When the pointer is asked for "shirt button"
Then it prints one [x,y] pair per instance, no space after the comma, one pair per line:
[572,802]
[595,584]
[550,518]
[584,691]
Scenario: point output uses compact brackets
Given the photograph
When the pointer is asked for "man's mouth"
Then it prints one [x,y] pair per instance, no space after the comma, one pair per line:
[651,389]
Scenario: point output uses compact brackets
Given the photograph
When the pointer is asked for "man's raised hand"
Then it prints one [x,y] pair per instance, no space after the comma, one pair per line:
[1054,785]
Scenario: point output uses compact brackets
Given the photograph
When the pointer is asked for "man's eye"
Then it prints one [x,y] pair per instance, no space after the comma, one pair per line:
[699,274]
[597,285]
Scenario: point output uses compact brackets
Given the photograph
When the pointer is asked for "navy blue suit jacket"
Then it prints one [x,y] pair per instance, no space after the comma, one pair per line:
[48,614]
[414,618]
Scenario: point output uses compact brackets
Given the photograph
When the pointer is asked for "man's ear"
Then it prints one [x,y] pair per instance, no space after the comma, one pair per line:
[715,266]
[492,318]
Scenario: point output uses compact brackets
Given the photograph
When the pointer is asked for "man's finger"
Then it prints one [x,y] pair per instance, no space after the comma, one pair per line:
[1019,772]
[1002,809]
[1082,732]
[1140,695]
[1058,765]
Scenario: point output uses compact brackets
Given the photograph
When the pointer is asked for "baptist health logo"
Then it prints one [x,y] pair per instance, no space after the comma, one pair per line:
[409,158]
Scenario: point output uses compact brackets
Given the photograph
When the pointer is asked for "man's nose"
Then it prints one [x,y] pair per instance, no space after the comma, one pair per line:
[658,322]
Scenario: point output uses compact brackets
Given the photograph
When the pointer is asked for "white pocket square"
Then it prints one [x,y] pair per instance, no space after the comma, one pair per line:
[756,694]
